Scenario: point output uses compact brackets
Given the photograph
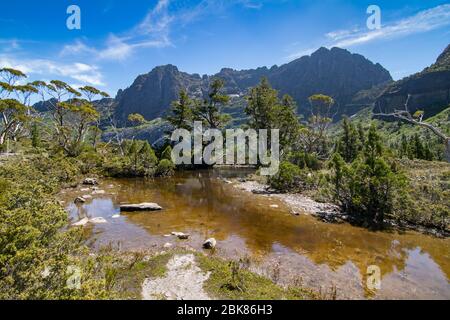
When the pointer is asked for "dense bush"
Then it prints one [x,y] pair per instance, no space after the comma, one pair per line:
[38,255]
[167,153]
[139,160]
[165,168]
[415,148]
[305,160]
[290,178]
[369,188]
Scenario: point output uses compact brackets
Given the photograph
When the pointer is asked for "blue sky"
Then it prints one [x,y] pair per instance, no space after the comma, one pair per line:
[119,40]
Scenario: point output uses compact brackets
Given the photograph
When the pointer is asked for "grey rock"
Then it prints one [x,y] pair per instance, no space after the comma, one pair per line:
[140,207]
[90,181]
[210,243]
[79,200]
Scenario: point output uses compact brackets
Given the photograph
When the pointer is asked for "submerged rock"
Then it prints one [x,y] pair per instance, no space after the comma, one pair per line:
[181,235]
[90,181]
[81,223]
[98,192]
[98,220]
[141,207]
[210,243]
[79,200]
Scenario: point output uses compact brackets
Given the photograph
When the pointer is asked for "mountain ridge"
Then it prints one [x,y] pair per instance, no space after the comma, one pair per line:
[335,72]
[428,90]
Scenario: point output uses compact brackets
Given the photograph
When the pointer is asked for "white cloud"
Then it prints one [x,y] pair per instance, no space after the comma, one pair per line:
[423,21]
[82,72]
[299,54]
[9,45]
[251,4]
[152,32]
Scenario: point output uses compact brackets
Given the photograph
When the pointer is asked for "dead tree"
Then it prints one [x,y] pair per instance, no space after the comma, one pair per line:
[405,115]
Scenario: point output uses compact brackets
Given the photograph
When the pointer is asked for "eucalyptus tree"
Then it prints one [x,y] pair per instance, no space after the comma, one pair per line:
[72,112]
[14,99]
[313,137]
[136,119]
[91,93]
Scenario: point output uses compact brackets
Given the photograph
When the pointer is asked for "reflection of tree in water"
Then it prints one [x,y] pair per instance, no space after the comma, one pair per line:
[200,202]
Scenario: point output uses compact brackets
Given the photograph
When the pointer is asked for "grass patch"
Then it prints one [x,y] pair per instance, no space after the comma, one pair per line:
[232,280]
[132,274]
[429,194]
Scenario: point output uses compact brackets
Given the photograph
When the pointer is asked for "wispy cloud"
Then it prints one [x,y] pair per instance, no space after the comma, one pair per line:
[9,45]
[252,4]
[154,31]
[81,72]
[423,21]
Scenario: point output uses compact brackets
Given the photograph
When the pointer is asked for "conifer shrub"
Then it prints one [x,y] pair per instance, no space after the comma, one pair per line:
[369,188]
[165,168]
[290,178]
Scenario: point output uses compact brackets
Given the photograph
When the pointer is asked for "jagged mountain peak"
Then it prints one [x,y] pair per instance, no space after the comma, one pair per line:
[444,59]
[336,72]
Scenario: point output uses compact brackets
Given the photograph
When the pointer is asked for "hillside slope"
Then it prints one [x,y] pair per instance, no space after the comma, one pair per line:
[428,90]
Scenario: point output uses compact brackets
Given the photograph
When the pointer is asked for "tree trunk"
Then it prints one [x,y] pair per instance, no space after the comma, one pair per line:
[447,151]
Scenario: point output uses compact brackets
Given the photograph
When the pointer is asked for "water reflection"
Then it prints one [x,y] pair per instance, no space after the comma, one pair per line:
[202,204]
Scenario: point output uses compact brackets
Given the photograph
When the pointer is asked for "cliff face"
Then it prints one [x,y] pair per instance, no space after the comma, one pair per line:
[428,90]
[334,72]
[151,94]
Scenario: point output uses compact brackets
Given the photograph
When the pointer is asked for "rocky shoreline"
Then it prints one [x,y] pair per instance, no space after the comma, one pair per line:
[327,212]
[298,203]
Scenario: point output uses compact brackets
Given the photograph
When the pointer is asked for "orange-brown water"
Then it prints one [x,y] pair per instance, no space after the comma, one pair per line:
[301,247]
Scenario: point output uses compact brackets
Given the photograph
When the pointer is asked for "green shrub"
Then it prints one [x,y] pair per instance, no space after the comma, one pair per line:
[305,160]
[167,153]
[37,251]
[90,161]
[165,168]
[369,188]
[290,178]
[139,161]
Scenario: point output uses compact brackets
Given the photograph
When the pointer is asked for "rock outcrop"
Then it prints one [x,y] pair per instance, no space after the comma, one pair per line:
[428,90]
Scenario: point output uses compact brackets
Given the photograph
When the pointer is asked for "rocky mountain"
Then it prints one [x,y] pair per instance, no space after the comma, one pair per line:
[428,90]
[151,94]
[43,106]
[335,72]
